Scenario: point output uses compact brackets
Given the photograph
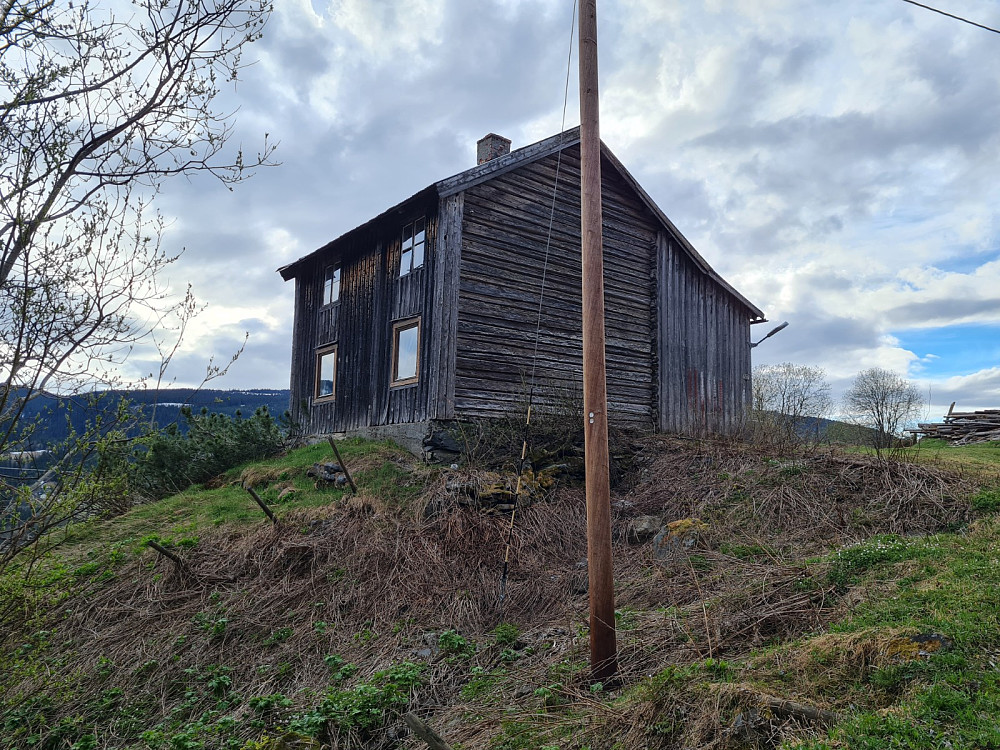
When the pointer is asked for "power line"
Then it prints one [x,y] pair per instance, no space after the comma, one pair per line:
[951,15]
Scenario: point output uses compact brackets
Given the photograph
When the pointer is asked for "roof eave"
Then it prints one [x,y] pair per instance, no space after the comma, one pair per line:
[288,271]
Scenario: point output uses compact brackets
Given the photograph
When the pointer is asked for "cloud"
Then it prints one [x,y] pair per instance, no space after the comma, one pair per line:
[834,161]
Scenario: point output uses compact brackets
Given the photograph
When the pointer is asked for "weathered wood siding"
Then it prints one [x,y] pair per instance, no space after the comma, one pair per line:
[704,352]
[372,298]
[503,247]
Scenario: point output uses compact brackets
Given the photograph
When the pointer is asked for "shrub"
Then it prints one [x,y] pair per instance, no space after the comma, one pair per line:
[173,459]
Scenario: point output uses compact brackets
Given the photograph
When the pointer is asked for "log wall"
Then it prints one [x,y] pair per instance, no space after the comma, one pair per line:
[504,230]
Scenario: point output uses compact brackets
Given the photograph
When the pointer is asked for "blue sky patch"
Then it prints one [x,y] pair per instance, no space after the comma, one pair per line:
[957,350]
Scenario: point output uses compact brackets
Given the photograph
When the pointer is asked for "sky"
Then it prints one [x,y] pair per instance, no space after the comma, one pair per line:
[836,162]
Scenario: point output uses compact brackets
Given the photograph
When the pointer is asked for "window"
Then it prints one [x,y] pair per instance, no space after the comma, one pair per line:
[405,351]
[414,240]
[326,373]
[331,284]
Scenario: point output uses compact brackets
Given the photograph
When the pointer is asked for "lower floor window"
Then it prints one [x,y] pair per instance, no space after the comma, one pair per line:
[326,372]
[405,351]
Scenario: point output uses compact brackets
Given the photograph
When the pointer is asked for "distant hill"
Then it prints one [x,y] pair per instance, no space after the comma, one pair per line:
[54,415]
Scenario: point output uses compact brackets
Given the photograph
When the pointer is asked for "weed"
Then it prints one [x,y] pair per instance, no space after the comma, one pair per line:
[454,645]
[506,634]
[278,636]
[340,670]
[214,626]
[267,703]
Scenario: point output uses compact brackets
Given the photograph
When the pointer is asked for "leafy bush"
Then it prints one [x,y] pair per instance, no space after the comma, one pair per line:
[173,459]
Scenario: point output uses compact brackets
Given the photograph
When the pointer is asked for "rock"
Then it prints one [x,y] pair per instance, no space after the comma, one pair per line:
[432,639]
[909,647]
[677,539]
[325,472]
[643,528]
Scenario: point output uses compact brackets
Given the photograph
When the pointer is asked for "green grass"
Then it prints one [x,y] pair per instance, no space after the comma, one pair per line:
[184,515]
[980,457]
[942,586]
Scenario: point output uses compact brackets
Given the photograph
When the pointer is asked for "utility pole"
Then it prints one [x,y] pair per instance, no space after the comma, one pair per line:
[603,645]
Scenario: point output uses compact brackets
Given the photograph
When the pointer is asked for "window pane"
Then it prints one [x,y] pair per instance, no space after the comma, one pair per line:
[418,255]
[327,373]
[408,235]
[418,231]
[331,285]
[406,352]
[404,262]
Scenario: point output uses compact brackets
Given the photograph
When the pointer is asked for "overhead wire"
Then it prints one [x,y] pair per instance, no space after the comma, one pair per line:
[952,15]
[538,320]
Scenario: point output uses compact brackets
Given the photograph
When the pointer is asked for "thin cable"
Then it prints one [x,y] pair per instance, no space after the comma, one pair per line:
[538,317]
[952,15]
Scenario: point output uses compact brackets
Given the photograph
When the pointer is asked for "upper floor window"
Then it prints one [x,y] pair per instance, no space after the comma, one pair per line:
[414,240]
[331,284]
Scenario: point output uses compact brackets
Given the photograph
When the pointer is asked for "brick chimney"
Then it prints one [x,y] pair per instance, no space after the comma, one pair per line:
[491,146]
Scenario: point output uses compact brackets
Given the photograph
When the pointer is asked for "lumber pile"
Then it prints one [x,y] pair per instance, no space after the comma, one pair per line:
[962,428]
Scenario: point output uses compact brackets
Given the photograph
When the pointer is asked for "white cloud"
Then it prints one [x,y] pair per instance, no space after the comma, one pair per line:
[835,161]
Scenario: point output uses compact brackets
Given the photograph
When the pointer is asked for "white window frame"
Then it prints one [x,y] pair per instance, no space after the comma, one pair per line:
[331,284]
[409,248]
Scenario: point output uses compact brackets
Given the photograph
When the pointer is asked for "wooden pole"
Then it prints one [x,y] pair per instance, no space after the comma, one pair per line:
[263,506]
[420,728]
[350,481]
[166,553]
[603,646]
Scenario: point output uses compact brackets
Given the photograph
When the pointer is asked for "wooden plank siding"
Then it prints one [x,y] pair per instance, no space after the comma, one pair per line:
[704,373]
[504,230]
[372,298]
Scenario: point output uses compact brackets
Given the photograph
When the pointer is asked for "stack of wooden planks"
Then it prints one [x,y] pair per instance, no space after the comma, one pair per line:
[962,428]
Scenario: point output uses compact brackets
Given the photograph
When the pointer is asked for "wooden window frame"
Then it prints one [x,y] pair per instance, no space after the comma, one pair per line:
[403,250]
[337,269]
[397,328]
[320,353]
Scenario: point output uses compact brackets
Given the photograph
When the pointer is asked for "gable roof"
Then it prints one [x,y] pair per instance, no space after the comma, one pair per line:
[508,162]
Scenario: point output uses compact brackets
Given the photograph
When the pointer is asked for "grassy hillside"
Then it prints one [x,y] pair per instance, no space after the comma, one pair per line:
[819,600]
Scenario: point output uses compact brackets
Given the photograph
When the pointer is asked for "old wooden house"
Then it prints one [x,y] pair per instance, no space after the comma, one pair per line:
[428,312]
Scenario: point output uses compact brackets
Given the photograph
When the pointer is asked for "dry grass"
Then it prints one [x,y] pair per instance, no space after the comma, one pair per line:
[369,582]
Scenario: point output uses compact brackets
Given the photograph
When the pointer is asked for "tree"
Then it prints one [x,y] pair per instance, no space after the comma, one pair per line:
[884,402]
[785,396]
[100,102]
